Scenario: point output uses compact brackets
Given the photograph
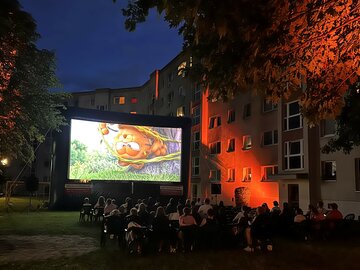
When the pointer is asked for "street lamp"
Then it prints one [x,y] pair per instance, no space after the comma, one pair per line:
[4,161]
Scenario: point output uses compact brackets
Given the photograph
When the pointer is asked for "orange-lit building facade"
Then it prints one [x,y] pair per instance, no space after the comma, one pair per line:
[247,150]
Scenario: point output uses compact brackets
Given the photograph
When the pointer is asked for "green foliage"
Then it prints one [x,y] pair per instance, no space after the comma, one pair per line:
[27,110]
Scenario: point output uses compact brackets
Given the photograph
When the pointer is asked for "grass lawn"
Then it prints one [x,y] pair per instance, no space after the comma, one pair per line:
[339,254]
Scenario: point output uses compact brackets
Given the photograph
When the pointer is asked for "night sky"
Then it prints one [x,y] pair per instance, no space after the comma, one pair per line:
[92,47]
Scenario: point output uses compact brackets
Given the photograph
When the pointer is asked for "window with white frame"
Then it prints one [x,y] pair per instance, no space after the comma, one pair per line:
[231,116]
[247,110]
[328,170]
[214,121]
[215,175]
[215,148]
[170,97]
[327,127]
[197,92]
[247,174]
[293,118]
[270,137]
[196,115]
[268,105]
[196,140]
[180,111]
[247,142]
[231,145]
[268,171]
[170,78]
[195,166]
[294,155]
[231,175]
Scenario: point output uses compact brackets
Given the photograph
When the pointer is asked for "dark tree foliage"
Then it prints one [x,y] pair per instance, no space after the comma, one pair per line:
[348,127]
[276,48]
[273,47]
[27,109]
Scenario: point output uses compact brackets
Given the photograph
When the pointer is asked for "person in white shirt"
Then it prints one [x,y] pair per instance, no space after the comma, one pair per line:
[204,208]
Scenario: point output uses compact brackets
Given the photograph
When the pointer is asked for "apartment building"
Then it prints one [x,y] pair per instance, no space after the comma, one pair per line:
[247,150]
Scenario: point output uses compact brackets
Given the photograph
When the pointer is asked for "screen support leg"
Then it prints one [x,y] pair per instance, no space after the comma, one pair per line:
[132,188]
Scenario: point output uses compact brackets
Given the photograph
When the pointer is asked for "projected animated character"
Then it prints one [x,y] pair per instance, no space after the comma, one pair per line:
[133,145]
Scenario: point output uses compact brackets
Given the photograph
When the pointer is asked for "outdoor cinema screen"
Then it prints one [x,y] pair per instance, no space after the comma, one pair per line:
[108,151]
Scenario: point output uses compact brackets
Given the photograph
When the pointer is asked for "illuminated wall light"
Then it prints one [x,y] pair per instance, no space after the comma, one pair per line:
[4,161]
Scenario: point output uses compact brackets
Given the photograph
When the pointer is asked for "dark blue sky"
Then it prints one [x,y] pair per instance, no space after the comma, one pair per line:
[92,47]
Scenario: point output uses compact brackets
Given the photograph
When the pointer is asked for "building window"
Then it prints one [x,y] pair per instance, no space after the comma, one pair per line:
[247,174]
[196,140]
[170,78]
[180,111]
[215,175]
[328,170]
[182,91]
[119,100]
[215,148]
[294,155]
[268,171]
[195,166]
[231,145]
[170,97]
[357,174]
[270,137]
[231,116]
[293,118]
[247,110]
[327,128]
[196,115]
[197,92]
[182,69]
[134,100]
[268,105]
[101,107]
[247,143]
[92,101]
[231,175]
[214,122]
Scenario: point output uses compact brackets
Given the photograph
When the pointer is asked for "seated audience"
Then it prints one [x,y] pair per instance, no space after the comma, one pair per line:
[186,234]
[99,208]
[143,214]
[276,207]
[299,216]
[258,230]
[320,208]
[334,213]
[209,230]
[109,206]
[204,208]
[161,229]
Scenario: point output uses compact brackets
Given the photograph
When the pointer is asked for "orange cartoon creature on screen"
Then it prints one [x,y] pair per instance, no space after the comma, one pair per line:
[135,145]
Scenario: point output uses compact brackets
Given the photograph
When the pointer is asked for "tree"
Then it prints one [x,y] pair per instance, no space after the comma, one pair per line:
[348,128]
[279,48]
[27,109]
